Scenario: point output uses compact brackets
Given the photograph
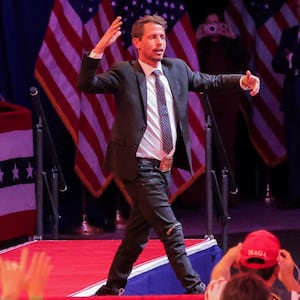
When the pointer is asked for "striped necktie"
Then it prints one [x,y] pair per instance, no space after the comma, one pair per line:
[163,114]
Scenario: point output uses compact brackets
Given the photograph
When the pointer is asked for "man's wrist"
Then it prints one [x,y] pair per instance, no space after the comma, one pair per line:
[95,55]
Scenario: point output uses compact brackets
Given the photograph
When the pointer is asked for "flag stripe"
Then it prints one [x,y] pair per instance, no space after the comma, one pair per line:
[265,120]
[88,175]
[66,17]
[11,198]
[65,111]
[14,117]
[21,224]
[18,143]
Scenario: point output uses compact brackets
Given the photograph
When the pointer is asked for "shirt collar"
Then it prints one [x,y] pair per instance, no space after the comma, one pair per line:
[149,69]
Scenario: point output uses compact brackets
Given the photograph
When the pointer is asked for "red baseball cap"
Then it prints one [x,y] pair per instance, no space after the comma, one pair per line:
[263,245]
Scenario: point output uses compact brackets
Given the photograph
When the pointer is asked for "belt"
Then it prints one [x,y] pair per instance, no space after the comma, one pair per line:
[163,165]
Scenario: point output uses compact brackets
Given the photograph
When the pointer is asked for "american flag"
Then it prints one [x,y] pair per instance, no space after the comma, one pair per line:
[260,23]
[74,28]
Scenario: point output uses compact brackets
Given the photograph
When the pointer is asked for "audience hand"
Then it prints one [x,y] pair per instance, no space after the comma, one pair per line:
[37,275]
[14,277]
[286,271]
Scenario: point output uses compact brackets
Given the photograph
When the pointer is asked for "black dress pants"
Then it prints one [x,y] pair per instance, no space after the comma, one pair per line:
[151,209]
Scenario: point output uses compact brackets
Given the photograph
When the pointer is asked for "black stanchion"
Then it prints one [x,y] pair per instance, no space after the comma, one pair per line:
[57,181]
[214,194]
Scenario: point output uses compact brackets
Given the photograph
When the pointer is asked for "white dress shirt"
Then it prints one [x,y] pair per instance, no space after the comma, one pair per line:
[151,143]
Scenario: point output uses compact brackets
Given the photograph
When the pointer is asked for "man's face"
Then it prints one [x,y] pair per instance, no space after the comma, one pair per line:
[151,48]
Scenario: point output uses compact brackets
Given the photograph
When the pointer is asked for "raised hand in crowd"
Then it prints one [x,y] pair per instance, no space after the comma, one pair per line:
[16,278]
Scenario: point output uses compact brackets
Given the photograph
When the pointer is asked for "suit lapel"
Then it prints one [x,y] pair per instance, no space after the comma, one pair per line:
[173,86]
[142,85]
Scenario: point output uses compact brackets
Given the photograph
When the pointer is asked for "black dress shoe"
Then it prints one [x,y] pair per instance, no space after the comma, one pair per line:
[105,290]
[199,289]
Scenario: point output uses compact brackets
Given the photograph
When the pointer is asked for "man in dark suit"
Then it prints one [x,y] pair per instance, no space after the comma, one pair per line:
[135,150]
[286,61]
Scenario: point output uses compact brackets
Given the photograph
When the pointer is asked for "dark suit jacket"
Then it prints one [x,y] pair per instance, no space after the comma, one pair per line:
[127,82]
[291,85]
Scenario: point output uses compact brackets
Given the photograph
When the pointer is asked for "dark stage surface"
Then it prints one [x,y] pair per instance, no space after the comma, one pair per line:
[245,216]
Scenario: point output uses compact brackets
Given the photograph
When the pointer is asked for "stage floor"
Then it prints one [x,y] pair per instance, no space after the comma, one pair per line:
[81,266]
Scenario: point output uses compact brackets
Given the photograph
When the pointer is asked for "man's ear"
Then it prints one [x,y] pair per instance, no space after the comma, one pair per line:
[135,42]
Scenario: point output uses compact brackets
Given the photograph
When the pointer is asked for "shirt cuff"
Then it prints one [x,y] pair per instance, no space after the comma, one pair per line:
[95,55]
